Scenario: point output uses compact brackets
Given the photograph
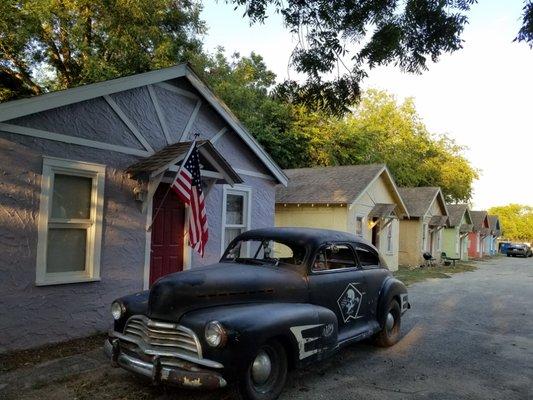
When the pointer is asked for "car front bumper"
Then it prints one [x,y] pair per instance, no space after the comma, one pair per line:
[184,375]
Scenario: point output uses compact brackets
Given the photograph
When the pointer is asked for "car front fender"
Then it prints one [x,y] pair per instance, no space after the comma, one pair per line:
[308,332]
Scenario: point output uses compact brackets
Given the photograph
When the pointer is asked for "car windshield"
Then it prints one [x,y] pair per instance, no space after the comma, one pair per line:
[264,251]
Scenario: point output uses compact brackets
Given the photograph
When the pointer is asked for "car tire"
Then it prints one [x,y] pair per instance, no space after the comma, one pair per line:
[258,384]
[508,255]
[390,333]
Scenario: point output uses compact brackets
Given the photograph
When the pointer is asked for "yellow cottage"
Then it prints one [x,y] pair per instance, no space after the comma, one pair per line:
[421,231]
[360,199]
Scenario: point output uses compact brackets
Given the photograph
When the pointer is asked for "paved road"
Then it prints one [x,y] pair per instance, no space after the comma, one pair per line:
[468,337]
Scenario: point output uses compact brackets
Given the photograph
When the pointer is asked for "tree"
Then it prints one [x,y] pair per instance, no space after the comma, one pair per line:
[380,130]
[356,35]
[516,221]
[244,84]
[352,35]
[377,130]
[72,42]
[526,32]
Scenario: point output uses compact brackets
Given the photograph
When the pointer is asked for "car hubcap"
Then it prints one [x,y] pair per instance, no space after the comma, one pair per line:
[261,368]
[390,322]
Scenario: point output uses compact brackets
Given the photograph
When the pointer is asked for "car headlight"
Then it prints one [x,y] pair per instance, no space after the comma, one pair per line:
[117,310]
[215,334]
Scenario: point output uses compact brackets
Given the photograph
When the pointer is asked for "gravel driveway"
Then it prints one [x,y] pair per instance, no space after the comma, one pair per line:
[467,337]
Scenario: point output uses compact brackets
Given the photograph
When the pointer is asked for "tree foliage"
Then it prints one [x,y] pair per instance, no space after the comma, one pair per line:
[516,221]
[377,130]
[338,41]
[380,130]
[526,32]
[72,42]
[352,35]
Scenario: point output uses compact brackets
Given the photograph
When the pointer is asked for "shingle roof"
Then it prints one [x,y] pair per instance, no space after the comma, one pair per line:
[464,228]
[418,199]
[322,185]
[477,219]
[381,210]
[456,212]
[438,220]
[169,155]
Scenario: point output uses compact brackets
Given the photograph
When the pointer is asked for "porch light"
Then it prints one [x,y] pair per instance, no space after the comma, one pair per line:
[139,192]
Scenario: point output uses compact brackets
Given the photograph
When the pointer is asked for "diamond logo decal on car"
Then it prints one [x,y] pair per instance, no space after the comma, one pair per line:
[350,302]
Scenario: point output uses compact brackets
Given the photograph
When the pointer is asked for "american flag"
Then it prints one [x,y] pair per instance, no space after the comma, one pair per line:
[188,186]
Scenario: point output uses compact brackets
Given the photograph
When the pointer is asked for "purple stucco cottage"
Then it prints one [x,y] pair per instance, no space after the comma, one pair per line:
[81,172]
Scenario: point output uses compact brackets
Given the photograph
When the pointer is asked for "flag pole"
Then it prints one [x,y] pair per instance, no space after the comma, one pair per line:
[175,177]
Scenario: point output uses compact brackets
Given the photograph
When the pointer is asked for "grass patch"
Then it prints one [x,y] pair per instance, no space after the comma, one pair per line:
[410,276]
[23,358]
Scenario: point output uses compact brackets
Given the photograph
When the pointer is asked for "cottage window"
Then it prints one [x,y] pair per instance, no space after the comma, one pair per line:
[424,231]
[359,226]
[389,238]
[236,209]
[70,222]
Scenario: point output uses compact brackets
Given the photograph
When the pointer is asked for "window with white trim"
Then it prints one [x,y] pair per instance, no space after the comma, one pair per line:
[236,209]
[70,222]
[389,237]
[424,234]
[359,226]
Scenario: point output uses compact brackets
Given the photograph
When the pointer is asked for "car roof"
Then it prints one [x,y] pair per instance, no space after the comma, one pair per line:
[312,237]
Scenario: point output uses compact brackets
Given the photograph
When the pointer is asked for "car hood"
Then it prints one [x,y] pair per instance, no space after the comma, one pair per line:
[220,284]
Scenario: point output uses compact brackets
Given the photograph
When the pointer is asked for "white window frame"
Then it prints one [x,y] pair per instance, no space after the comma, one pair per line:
[357,219]
[239,190]
[390,245]
[96,172]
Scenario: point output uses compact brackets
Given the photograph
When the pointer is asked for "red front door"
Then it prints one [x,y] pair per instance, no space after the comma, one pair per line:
[166,254]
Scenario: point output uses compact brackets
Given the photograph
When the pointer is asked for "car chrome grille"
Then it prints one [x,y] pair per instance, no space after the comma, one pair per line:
[156,338]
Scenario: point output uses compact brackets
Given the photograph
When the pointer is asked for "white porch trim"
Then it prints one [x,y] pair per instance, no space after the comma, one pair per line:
[58,137]
[116,108]
[159,113]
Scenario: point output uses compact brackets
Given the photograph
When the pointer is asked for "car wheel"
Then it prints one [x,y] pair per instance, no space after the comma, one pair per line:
[508,255]
[266,374]
[390,333]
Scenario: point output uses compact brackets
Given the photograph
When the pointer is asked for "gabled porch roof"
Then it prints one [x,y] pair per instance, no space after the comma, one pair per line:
[171,155]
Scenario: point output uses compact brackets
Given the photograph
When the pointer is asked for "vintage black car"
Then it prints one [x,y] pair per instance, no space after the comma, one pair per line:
[278,298]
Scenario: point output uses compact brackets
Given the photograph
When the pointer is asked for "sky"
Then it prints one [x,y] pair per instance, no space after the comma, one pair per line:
[482,95]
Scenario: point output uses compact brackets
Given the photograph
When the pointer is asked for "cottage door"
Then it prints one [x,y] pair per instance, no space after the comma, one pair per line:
[166,254]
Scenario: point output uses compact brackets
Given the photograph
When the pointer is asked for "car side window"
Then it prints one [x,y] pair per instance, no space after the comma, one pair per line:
[333,257]
[367,257]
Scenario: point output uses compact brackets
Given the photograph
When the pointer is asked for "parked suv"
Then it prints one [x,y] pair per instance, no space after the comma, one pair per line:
[519,250]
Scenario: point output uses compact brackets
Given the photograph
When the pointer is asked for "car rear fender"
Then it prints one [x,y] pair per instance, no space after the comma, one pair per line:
[391,289]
